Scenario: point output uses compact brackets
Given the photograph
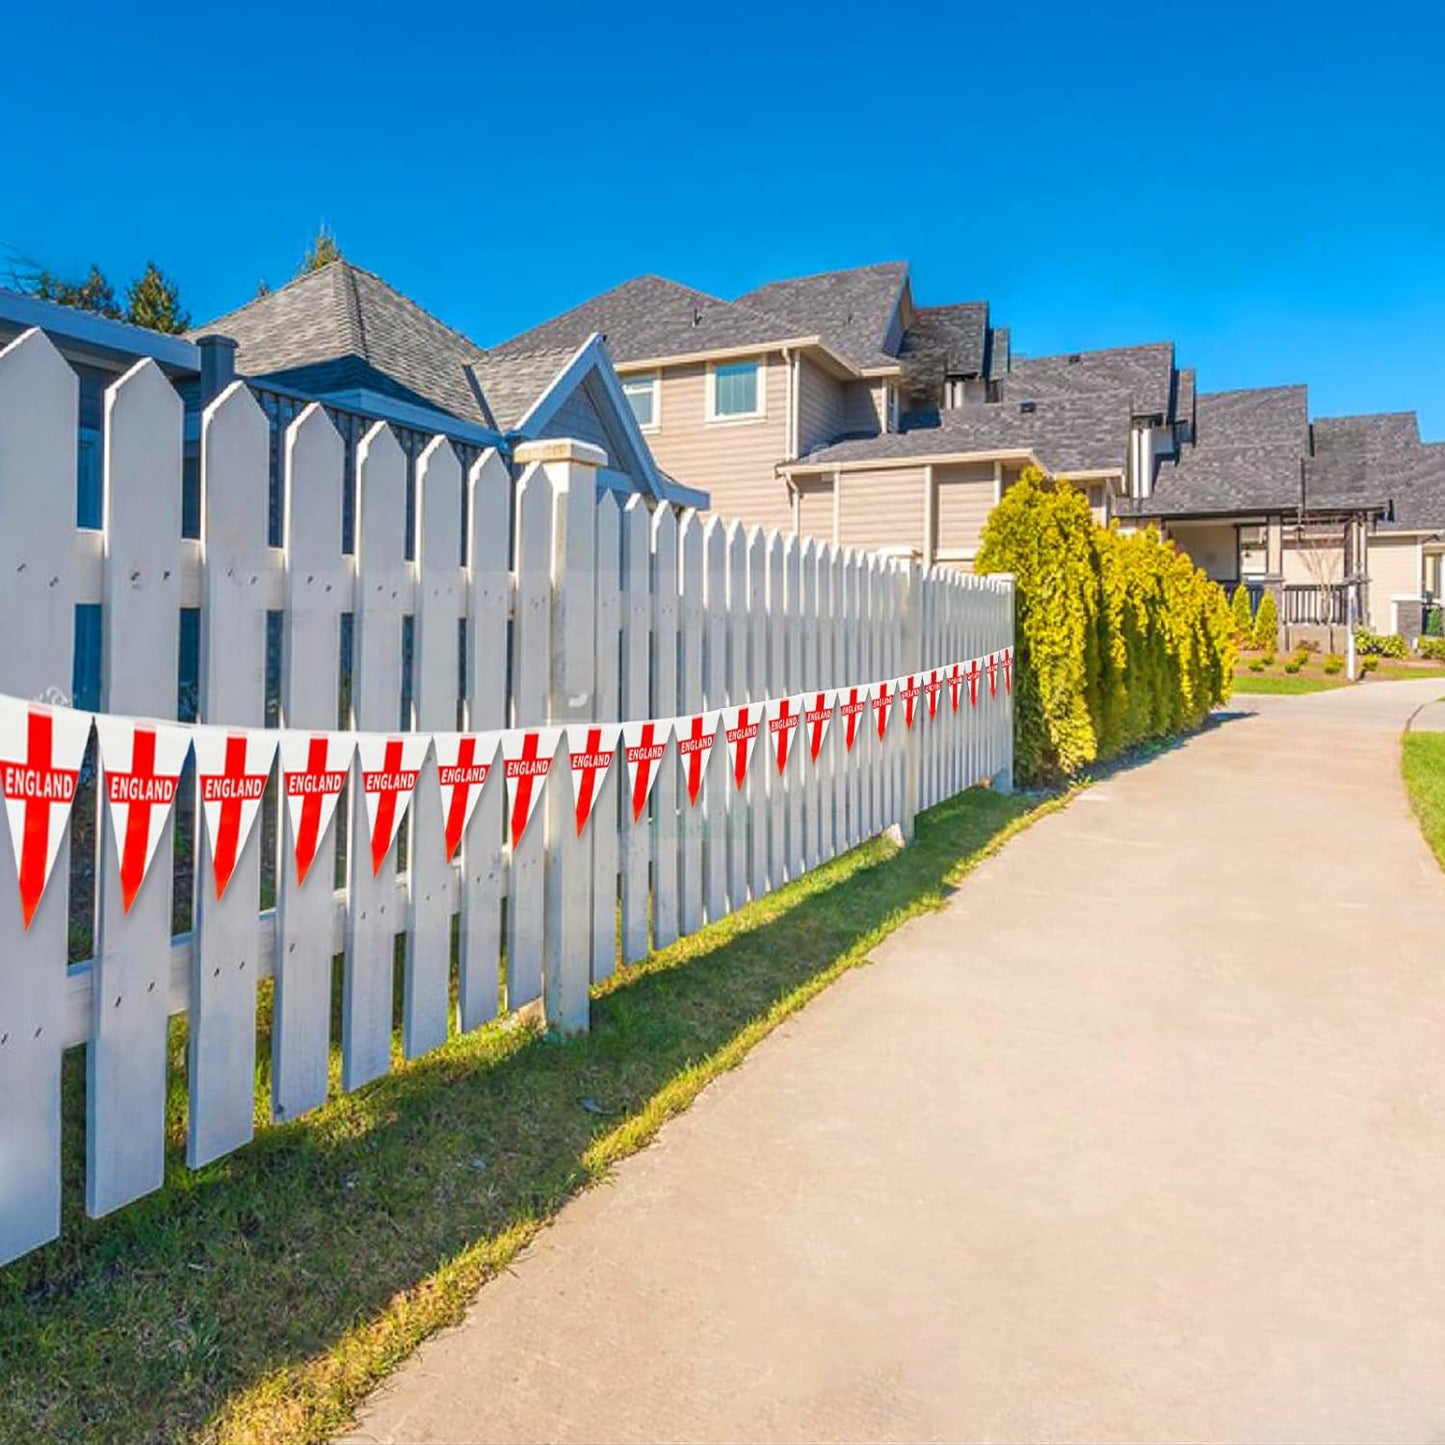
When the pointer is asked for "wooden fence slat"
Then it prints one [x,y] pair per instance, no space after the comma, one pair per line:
[318,591]
[382,575]
[484,857]
[636,704]
[665,793]
[739,690]
[531,694]
[38,401]
[759,786]
[690,884]
[714,800]
[604,831]
[440,595]
[799,770]
[221,1070]
[126,1060]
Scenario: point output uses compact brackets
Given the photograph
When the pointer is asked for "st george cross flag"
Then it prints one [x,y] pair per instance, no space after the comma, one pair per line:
[993,674]
[390,767]
[464,762]
[590,749]
[314,769]
[41,750]
[784,716]
[527,754]
[853,703]
[883,698]
[931,689]
[232,770]
[644,744]
[817,714]
[1008,670]
[741,726]
[973,675]
[955,682]
[908,689]
[142,762]
[695,737]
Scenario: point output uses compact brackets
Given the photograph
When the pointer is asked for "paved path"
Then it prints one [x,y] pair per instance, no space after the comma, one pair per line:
[1143,1137]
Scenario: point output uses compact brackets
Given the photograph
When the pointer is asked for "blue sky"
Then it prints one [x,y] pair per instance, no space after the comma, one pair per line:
[1263,184]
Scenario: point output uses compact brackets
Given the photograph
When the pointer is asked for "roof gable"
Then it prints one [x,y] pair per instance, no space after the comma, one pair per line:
[854,312]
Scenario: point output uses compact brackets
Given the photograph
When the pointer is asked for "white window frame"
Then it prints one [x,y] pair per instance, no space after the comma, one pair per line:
[729,418]
[653,379]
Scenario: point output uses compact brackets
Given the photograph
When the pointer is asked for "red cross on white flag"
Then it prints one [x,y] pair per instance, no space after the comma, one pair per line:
[993,674]
[883,698]
[1008,670]
[741,726]
[390,767]
[909,688]
[817,714]
[41,750]
[695,737]
[591,748]
[973,676]
[784,716]
[955,682]
[464,762]
[142,763]
[527,754]
[232,770]
[931,689]
[853,703]
[644,744]
[314,769]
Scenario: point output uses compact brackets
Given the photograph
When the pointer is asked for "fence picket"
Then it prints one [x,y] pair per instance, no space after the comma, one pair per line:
[759,788]
[604,833]
[38,401]
[739,691]
[665,793]
[713,803]
[690,887]
[636,623]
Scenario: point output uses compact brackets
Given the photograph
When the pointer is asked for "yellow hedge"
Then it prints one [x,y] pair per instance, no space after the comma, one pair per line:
[1120,638]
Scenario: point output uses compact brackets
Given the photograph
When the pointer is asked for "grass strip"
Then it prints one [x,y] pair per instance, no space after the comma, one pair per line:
[1422,761]
[261,1299]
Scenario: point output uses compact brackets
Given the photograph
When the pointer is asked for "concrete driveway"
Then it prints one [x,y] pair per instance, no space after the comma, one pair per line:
[1142,1138]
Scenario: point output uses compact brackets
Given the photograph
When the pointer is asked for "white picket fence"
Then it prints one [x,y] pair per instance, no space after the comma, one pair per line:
[563,607]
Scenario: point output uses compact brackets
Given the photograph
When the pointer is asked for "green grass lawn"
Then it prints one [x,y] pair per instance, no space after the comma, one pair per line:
[1268,682]
[1423,764]
[260,1299]
[1253,675]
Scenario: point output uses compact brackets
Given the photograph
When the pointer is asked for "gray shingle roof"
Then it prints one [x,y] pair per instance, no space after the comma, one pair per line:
[511,383]
[942,341]
[1144,373]
[342,327]
[1073,434]
[1417,488]
[851,310]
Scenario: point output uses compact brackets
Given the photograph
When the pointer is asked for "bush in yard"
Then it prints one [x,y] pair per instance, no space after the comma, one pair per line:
[1379,644]
[1120,639]
[1269,657]
[1292,666]
[1256,664]
[1432,648]
[1266,623]
[1243,615]
[1334,663]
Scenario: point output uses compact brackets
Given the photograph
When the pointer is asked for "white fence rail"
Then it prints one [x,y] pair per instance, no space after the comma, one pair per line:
[557,608]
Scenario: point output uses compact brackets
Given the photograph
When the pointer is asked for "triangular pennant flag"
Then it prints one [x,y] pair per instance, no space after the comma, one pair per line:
[853,703]
[464,763]
[955,682]
[645,743]
[1008,670]
[993,674]
[931,689]
[884,694]
[41,750]
[973,676]
[741,726]
[390,767]
[908,689]
[817,714]
[695,737]
[143,763]
[528,754]
[590,747]
[784,715]
[232,770]
[314,769]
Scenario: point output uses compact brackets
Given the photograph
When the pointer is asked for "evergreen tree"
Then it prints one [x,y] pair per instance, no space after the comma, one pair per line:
[1243,613]
[1266,623]
[321,252]
[155,303]
[94,293]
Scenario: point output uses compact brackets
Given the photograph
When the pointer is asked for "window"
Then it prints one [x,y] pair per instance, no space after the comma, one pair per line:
[734,390]
[641,393]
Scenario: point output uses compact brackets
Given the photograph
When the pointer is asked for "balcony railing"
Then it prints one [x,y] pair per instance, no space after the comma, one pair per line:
[1325,604]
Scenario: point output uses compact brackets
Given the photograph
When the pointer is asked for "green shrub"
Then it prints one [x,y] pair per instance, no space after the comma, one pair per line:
[1292,666]
[1120,638]
[1432,648]
[1266,624]
[1269,657]
[1243,615]
[1379,644]
[1334,663]
[1256,664]
[1369,662]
